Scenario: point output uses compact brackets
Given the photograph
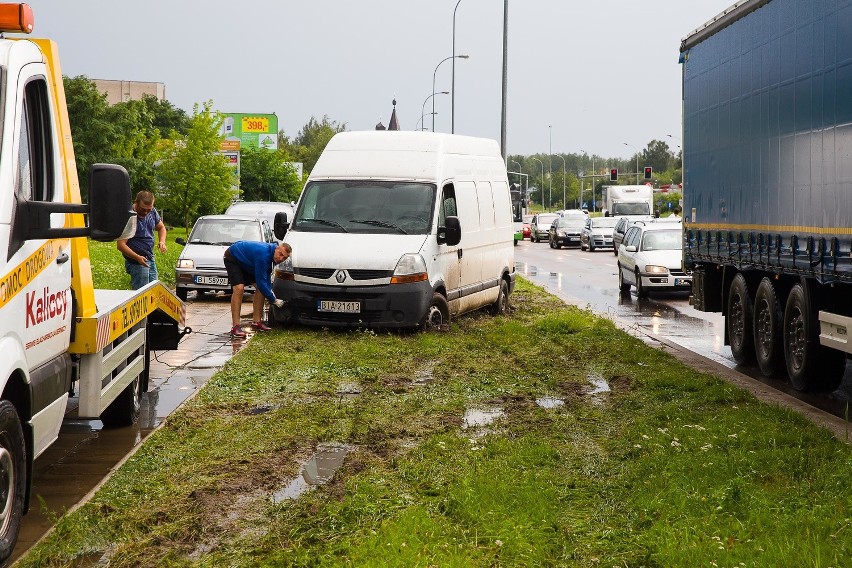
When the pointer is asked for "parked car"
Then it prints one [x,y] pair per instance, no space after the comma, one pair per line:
[566,231]
[265,210]
[650,258]
[623,224]
[200,266]
[527,219]
[540,225]
[597,233]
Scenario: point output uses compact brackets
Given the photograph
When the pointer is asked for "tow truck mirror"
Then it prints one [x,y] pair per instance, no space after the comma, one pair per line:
[280,225]
[110,216]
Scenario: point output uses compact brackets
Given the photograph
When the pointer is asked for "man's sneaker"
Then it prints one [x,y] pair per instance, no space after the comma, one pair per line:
[237,332]
[260,326]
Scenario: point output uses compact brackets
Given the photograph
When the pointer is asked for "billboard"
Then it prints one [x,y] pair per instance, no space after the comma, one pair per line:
[252,130]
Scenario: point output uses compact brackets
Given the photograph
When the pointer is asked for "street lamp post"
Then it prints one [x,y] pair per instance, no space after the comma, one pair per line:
[542,178]
[564,202]
[453,83]
[423,107]
[453,57]
[637,160]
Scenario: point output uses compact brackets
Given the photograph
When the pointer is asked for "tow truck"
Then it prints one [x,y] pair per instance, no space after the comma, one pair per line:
[60,338]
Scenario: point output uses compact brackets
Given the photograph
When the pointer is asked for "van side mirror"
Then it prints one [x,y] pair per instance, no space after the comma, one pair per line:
[280,225]
[450,234]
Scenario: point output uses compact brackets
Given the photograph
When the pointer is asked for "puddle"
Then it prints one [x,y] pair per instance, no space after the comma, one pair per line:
[600,387]
[475,417]
[210,360]
[425,375]
[316,471]
[549,402]
[348,390]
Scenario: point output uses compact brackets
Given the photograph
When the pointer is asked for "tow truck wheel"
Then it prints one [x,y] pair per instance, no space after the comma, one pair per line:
[12,478]
[181,293]
[124,410]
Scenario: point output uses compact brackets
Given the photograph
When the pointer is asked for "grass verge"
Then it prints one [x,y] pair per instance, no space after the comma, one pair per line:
[669,467]
[108,264]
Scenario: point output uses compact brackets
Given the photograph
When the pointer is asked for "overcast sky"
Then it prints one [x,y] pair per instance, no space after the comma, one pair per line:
[598,73]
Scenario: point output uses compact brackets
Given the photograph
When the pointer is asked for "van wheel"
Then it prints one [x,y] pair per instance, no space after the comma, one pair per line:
[181,293]
[501,306]
[13,478]
[437,315]
[124,410]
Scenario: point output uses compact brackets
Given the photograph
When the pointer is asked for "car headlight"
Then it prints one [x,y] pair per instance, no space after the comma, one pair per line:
[654,269]
[560,233]
[410,268]
[185,263]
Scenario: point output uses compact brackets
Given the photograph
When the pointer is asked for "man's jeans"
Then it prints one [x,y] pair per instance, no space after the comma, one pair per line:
[141,275]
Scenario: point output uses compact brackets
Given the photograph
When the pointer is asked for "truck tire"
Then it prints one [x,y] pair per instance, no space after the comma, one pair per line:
[13,478]
[124,410]
[739,320]
[437,315]
[501,306]
[768,323]
[810,366]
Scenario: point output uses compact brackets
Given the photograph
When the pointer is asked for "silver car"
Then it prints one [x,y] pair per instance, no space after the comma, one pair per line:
[201,266]
[597,233]
[540,225]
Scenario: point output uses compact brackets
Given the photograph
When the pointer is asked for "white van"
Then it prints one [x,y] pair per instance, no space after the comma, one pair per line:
[399,229]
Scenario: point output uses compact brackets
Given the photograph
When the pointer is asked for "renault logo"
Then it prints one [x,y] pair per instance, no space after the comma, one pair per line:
[340,276]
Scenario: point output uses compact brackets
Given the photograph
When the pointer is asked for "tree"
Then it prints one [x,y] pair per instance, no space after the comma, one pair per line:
[93,130]
[196,177]
[266,175]
[310,142]
[658,156]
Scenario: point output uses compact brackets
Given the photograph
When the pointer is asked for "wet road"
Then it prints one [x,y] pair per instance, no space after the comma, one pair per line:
[590,280]
[85,453]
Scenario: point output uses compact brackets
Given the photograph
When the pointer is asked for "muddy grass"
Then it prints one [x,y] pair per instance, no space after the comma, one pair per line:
[451,459]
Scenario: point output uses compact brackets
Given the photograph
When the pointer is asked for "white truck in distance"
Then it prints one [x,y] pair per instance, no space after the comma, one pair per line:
[628,200]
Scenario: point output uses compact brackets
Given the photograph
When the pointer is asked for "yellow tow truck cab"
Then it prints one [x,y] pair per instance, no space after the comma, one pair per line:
[59,337]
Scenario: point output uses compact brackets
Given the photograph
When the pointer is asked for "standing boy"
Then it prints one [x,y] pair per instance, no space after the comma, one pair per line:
[251,262]
[138,250]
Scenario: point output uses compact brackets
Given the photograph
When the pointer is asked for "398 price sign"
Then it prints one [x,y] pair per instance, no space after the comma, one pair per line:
[255,124]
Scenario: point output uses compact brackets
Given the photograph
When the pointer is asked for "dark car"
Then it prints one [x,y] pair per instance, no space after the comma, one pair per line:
[566,231]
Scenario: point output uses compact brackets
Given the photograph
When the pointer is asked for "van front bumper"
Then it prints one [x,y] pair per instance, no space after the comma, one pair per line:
[380,306]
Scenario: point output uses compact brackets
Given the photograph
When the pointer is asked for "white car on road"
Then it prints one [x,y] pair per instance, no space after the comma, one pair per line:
[650,258]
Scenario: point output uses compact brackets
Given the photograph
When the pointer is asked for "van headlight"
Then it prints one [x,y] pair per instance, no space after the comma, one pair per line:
[410,268]
[284,270]
[185,263]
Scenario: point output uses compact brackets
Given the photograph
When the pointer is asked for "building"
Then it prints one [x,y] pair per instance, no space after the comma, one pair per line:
[122,91]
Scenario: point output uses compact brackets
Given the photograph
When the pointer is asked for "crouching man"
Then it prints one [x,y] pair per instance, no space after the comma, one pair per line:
[251,262]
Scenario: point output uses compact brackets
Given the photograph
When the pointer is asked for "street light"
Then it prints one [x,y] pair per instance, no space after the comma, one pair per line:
[453,57]
[637,160]
[542,178]
[564,202]
[423,108]
[453,83]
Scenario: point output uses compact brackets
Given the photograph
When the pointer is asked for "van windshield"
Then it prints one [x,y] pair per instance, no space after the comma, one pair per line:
[386,207]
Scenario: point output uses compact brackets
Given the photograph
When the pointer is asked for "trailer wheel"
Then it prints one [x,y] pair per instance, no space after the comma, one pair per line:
[437,315]
[124,410]
[809,365]
[768,323]
[739,321]
[13,478]
[501,306]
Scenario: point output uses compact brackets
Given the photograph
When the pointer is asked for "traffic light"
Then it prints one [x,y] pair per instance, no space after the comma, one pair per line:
[647,172]
[613,174]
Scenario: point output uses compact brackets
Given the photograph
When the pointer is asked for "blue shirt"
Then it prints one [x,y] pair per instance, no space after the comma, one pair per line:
[257,258]
[142,243]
